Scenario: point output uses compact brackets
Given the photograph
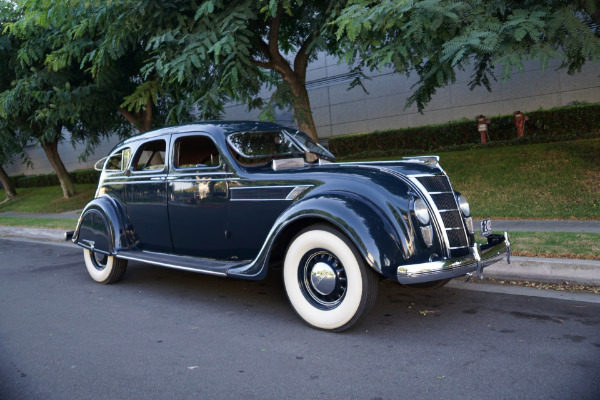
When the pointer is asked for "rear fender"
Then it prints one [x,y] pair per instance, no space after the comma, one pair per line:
[103,227]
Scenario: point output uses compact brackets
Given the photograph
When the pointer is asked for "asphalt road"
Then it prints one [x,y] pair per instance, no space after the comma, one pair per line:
[166,334]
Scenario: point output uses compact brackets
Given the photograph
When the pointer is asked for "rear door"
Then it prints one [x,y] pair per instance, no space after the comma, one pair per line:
[147,196]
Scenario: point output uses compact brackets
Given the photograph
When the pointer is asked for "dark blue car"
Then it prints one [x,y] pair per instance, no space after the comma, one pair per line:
[236,198]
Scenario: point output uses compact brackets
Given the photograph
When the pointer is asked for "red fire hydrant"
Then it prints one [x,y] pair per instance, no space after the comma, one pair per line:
[519,120]
[482,127]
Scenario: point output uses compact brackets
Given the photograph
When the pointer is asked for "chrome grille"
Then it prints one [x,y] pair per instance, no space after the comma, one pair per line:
[440,190]
[444,201]
[437,183]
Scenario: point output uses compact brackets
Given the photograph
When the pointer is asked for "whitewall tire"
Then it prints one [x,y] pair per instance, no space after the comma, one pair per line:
[326,279]
[103,268]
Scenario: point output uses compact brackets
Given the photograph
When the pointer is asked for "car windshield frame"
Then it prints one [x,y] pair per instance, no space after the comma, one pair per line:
[298,145]
[309,145]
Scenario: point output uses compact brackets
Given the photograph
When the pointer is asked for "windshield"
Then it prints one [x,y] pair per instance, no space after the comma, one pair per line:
[254,147]
[263,144]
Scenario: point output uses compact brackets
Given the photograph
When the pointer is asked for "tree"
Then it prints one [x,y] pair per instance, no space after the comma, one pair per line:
[435,38]
[221,51]
[42,102]
[114,37]
[8,145]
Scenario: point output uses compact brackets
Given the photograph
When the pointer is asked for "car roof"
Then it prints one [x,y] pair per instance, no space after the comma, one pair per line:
[224,128]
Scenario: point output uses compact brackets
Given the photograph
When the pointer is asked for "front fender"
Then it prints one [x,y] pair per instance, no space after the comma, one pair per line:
[357,217]
[103,227]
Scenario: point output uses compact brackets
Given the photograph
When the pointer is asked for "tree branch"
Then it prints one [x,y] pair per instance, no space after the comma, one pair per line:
[262,64]
[148,114]
[274,32]
[302,56]
[134,119]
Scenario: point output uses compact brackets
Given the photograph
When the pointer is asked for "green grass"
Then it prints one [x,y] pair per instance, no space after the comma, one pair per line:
[48,199]
[539,181]
[52,223]
[554,244]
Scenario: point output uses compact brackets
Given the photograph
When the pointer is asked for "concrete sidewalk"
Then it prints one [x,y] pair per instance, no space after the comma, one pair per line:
[538,225]
[582,272]
[63,215]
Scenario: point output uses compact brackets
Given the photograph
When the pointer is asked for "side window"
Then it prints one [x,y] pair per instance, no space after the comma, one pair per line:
[118,161]
[150,156]
[196,151]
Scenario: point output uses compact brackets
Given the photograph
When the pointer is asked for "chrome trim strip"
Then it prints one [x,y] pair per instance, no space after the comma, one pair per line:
[294,192]
[464,228]
[264,187]
[198,173]
[174,266]
[422,192]
[432,208]
[195,180]
[133,182]
[297,191]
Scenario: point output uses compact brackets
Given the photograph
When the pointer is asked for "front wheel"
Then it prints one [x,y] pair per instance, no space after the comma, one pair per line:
[104,268]
[326,279]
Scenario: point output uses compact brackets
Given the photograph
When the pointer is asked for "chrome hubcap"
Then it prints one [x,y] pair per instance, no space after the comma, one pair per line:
[322,279]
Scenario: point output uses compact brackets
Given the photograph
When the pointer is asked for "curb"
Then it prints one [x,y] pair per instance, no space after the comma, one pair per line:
[551,270]
[56,235]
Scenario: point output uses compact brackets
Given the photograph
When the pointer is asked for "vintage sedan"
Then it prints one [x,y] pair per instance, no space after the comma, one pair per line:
[234,199]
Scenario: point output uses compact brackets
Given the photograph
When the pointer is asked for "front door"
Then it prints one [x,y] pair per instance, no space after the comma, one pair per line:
[198,190]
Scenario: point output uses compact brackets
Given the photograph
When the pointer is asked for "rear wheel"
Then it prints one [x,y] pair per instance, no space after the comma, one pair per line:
[326,279]
[104,268]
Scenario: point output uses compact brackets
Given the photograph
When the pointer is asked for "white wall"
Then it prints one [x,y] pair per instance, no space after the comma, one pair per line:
[338,111]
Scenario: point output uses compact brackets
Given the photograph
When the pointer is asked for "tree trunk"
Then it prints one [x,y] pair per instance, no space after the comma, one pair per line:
[51,150]
[295,77]
[142,120]
[302,110]
[8,185]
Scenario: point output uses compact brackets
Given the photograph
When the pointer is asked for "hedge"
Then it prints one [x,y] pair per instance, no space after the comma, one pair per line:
[557,122]
[78,176]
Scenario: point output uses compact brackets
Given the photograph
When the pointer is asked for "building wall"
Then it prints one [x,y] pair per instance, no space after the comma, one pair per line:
[339,111]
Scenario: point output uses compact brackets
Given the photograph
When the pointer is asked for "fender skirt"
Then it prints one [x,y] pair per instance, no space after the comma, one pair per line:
[102,227]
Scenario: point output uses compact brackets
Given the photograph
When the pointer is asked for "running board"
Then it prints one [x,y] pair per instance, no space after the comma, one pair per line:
[185,263]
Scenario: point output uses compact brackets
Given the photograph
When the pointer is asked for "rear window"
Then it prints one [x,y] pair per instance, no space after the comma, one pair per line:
[118,161]
[150,156]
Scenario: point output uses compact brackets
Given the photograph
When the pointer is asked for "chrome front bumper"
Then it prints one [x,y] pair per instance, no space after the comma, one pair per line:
[480,257]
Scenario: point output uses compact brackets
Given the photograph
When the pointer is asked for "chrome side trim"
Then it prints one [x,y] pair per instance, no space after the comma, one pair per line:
[293,192]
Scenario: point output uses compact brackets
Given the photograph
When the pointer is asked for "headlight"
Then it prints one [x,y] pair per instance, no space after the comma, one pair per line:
[464,205]
[421,211]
